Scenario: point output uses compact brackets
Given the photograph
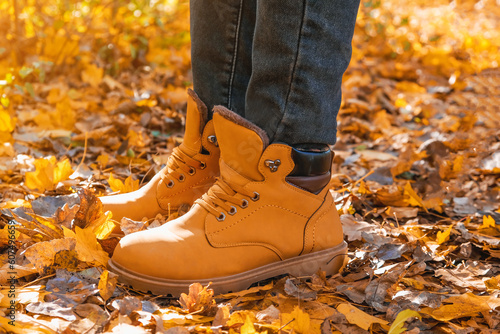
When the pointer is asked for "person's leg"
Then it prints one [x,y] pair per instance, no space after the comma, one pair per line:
[221,51]
[301,49]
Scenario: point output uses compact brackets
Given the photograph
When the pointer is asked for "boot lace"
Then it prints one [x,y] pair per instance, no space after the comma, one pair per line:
[179,164]
[222,197]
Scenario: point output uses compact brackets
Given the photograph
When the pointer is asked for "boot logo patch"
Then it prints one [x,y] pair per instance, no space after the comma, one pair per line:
[273,164]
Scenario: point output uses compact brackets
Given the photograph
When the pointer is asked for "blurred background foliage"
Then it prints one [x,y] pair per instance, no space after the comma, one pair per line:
[85,42]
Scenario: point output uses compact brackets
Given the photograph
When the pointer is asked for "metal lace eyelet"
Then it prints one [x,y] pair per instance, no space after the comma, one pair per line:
[170,184]
[221,217]
[213,139]
[256,196]
[244,204]
[182,178]
[203,165]
[232,211]
[192,171]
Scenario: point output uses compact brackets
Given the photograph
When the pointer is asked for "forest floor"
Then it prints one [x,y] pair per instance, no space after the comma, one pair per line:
[93,99]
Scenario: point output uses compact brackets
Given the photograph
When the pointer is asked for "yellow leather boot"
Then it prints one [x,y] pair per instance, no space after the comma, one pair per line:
[190,171]
[258,220]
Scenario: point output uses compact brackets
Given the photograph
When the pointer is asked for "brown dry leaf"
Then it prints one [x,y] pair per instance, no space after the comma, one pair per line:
[199,299]
[464,275]
[42,254]
[90,209]
[222,316]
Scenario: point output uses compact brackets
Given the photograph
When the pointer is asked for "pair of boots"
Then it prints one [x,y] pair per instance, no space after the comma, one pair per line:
[268,213]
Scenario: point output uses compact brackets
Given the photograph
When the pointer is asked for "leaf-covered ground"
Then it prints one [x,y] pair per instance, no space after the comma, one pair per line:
[92,98]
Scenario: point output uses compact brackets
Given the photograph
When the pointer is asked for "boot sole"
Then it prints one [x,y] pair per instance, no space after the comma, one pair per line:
[329,260]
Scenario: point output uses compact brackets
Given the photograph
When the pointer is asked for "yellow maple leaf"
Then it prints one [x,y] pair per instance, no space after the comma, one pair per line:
[48,173]
[43,176]
[62,171]
[103,159]
[357,317]
[239,317]
[7,124]
[107,284]
[55,95]
[299,321]
[93,75]
[88,249]
[104,226]
[397,325]
[248,327]
[488,221]
[64,116]
[443,236]
[412,197]
[117,185]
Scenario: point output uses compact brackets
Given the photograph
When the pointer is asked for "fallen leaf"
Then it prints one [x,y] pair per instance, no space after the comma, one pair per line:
[357,317]
[443,236]
[42,254]
[48,173]
[248,327]
[107,284]
[298,321]
[488,221]
[465,305]
[199,299]
[88,248]
[402,317]
[123,187]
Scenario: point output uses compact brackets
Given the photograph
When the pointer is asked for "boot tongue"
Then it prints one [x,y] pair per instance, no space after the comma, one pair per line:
[241,143]
[196,118]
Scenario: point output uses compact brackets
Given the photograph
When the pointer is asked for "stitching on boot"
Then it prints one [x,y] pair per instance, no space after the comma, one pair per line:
[237,119]
[265,245]
[306,235]
[315,224]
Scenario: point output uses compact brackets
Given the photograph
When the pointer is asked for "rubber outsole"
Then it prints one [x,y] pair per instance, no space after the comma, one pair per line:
[329,260]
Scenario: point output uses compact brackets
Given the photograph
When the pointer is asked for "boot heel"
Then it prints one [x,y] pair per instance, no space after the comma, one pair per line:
[329,260]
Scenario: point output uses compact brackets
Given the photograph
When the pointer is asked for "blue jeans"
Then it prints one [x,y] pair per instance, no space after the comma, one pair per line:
[278,63]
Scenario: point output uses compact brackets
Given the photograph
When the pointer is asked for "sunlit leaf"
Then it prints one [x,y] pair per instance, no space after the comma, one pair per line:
[107,284]
[397,325]
[88,248]
[357,317]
